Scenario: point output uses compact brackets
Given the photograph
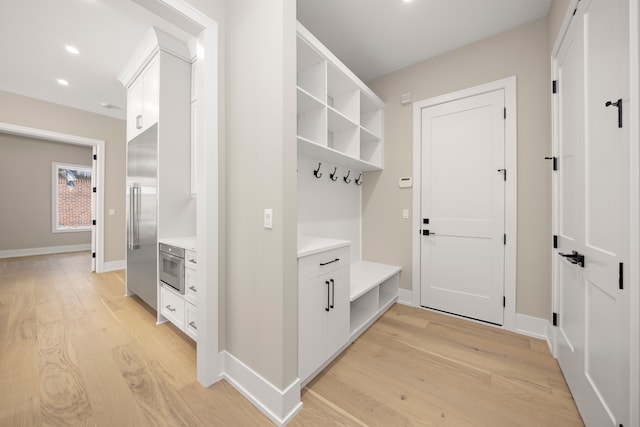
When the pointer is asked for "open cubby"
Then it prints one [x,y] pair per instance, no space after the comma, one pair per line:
[374,287]
[336,110]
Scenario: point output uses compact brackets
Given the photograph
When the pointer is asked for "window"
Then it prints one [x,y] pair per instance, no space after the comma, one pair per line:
[72,191]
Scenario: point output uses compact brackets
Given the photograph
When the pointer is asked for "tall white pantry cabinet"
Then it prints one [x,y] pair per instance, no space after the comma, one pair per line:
[340,125]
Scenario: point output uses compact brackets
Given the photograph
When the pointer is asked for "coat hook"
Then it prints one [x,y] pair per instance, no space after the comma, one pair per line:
[346,178]
[332,175]
[317,172]
[359,180]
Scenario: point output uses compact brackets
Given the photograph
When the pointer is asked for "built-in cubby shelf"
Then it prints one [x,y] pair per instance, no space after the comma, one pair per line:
[339,118]
[374,288]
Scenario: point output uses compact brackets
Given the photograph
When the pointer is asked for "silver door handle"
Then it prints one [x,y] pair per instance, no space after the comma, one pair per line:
[139,121]
[170,308]
[193,288]
[193,325]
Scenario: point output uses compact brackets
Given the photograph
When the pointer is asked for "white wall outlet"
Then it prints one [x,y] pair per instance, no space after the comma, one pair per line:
[268,218]
[405,98]
[405,213]
[112,212]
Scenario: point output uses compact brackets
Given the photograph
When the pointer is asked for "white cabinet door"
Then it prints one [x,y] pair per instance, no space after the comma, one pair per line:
[323,319]
[151,95]
[134,109]
[338,320]
[312,324]
[143,100]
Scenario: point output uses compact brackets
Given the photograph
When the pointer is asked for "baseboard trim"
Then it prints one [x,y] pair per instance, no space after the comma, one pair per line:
[532,326]
[13,253]
[405,297]
[280,406]
[114,266]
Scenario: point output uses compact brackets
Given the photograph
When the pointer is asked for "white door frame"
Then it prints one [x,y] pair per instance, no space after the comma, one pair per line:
[29,132]
[509,86]
[207,216]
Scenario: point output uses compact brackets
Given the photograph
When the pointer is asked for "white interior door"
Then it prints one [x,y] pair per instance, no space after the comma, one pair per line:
[593,212]
[462,206]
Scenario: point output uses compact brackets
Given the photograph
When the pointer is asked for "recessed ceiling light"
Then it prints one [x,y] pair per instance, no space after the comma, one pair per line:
[408,1]
[62,82]
[72,49]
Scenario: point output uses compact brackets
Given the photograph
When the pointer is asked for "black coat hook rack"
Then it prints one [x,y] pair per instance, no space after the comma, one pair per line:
[317,172]
[359,180]
[346,178]
[332,175]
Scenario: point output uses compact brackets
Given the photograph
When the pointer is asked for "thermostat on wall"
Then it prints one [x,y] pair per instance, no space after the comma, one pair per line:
[406,182]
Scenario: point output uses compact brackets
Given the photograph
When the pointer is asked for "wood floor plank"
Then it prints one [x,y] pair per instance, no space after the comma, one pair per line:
[111,400]
[75,351]
[63,396]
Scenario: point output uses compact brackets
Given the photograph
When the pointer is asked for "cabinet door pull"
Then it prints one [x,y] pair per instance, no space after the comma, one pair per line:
[193,288]
[322,264]
[170,308]
[333,292]
[139,122]
[328,297]
[193,325]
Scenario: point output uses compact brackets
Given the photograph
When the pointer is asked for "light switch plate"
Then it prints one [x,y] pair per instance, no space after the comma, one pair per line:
[268,218]
[405,213]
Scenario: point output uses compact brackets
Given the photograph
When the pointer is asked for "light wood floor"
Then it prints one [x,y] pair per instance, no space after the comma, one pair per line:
[74,351]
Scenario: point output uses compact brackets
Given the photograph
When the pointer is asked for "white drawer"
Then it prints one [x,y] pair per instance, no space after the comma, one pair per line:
[172,306]
[191,259]
[322,263]
[191,322]
[191,286]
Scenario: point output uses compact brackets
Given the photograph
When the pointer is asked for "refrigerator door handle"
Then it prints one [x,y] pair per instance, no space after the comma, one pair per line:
[134,216]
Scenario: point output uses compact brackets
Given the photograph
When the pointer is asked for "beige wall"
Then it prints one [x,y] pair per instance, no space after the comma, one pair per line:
[523,52]
[261,283]
[26,184]
[557,13]
[33,113]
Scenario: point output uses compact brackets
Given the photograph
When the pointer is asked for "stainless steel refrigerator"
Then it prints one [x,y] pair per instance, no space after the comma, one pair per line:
[142,220]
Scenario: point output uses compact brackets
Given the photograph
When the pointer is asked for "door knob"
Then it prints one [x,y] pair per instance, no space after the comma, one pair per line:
[574,258]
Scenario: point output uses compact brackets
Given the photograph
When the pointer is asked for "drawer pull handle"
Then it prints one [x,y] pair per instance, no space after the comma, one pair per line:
[170,308]
[193,325]
[333,293]
[322,264]
[193,260]
[193,288]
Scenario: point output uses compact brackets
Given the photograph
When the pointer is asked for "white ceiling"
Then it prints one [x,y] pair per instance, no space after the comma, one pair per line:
[372,37]
[376,37]
[33,35]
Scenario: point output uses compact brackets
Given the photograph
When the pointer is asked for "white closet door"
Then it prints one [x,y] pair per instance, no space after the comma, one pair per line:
[593,218]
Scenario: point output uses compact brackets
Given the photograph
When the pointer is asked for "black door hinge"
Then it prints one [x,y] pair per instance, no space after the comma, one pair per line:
[504,239]
[554,86]
[95,157]
[95,189]
[504,301]
[505,113]
[93,255]
[555,162]
[93,222]
[555,241]
[555,319]
[621,276]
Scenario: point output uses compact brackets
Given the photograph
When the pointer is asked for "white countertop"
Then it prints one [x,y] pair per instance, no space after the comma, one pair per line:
[188,243]
[309,245]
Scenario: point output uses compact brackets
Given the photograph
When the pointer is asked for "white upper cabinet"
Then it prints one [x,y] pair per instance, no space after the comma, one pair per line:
[143,100]
[339,118]
[156,77]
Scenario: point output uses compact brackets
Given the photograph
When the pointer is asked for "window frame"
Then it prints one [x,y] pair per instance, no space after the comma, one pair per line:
[55,167]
